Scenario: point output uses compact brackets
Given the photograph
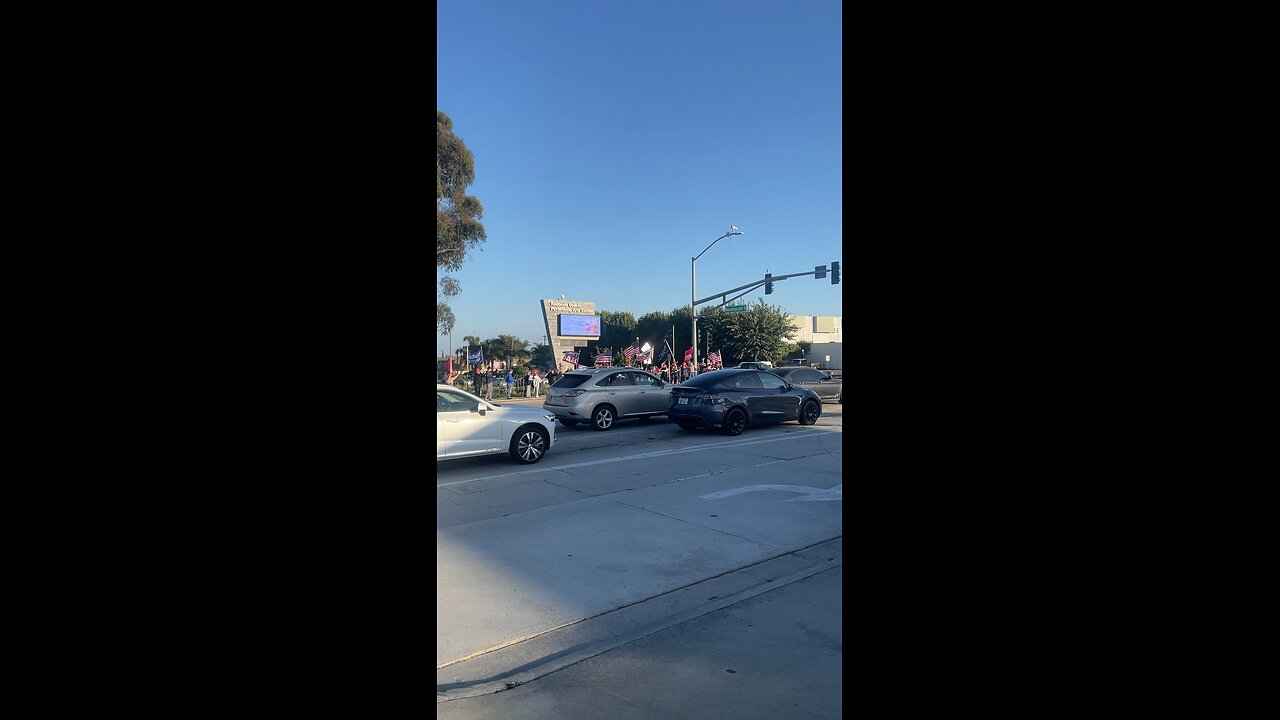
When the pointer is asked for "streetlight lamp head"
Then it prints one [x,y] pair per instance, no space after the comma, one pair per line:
[733,228]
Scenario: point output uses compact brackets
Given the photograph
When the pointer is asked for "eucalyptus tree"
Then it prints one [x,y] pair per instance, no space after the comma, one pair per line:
[458,226]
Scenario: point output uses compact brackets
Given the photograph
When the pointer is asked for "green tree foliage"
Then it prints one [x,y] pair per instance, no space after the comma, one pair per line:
[541,356]
[492,351]
[617,330]
[681,318]
[512,349]
[651,327]
[757,334]
[445,320]
[754,335]
[458,226]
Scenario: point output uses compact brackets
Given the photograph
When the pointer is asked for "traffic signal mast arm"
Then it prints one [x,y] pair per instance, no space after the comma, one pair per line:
[725,300]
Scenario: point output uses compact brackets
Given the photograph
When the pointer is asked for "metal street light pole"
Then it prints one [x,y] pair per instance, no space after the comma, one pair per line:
[693,297]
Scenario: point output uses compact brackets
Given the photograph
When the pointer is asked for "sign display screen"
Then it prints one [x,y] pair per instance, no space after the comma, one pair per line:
[580,325]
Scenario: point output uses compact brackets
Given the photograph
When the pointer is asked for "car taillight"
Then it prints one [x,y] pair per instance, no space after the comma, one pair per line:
[712,400]
[574,393]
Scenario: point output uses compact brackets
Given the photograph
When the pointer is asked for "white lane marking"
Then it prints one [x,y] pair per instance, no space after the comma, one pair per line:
[810,493]
[625,458]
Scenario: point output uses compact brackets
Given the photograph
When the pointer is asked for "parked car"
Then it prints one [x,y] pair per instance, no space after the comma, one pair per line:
[467,426]
[827,387]
[756,364]
[738,398]
[602,396]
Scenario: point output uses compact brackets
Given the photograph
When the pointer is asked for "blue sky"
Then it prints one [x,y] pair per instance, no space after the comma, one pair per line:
[614,141]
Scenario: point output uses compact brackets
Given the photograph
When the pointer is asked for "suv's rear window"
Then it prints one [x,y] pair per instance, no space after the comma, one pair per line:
[571,380]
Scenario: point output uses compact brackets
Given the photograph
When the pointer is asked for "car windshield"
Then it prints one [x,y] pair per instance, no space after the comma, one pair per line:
[571,380]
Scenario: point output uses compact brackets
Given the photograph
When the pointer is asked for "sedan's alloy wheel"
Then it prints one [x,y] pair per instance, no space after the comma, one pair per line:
[528,446]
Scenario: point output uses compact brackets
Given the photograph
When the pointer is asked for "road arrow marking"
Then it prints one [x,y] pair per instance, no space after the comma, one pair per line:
[810,493]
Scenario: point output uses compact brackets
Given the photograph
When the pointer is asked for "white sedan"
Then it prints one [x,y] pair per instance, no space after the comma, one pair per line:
[467,426]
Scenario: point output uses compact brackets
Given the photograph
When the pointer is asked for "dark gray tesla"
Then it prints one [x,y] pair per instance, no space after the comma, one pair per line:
[736,399]
[827,387]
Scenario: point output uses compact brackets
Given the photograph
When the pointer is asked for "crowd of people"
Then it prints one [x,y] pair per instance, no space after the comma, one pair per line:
[674,372]
[483,382]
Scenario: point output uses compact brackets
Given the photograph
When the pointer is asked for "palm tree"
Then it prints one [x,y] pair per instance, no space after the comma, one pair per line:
[513,348]
[492,351]
[471,341]
[541,355]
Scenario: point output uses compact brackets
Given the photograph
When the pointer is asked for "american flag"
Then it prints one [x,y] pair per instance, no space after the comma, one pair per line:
[476,357]
[604,359]
[646,356]
[714,358]
[571,357]
[631,351]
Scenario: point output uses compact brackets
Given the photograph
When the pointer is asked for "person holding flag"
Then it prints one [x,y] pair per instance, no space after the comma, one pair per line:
[631,351]
[662,356]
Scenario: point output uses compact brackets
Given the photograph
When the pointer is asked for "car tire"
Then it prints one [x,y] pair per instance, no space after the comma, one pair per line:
[604,417]
[568,423]
[687,425]
[735,421]
[809,412]
[529,444]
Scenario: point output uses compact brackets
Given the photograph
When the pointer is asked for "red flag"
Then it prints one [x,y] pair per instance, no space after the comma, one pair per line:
[688,355]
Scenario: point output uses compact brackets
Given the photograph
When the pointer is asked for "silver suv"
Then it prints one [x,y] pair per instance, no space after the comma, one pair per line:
[602,396]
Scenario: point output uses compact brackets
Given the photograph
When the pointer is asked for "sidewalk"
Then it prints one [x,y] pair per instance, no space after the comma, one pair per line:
[756,652]
[521,400]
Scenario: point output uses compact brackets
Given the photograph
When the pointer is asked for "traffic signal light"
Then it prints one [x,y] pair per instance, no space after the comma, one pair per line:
[835,272]
[768,286]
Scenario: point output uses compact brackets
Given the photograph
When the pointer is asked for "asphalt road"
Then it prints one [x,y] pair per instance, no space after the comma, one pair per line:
[638,572]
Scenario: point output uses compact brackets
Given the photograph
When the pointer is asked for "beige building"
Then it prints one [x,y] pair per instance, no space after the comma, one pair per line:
[827,336]
[816,329]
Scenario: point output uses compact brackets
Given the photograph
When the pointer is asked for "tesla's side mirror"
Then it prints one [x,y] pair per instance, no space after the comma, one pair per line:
[826,376]
[479,408]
